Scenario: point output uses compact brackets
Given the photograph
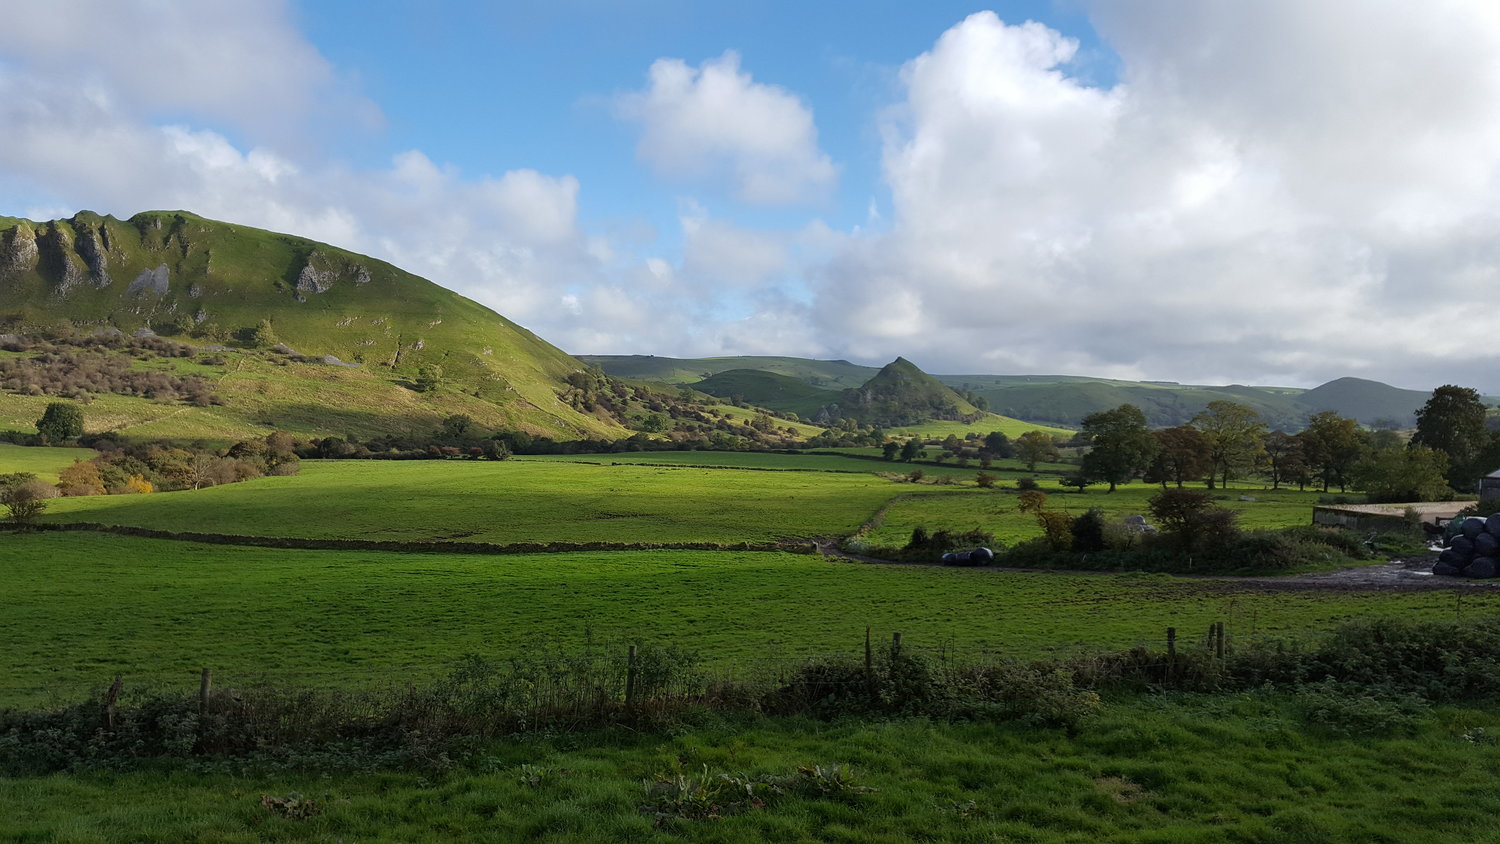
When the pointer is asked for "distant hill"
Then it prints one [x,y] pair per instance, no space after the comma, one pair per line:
[206,282]
[770,390]
[828,374]
[1065,399]
[902,394]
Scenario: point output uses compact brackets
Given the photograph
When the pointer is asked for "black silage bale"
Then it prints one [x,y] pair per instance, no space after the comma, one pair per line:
[1446,569]
[1451,557]
[1482,567]
[1492,525]
[1473,526]
[1463,545]
[1486,545]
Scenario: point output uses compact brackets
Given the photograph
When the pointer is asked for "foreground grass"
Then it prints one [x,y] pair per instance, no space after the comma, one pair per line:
[80,608]
[503,502]
[1182,768]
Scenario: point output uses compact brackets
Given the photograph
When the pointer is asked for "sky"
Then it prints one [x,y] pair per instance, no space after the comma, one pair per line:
[1278,192]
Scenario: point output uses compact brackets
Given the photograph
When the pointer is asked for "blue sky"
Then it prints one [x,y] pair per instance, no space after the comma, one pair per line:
[1277,192]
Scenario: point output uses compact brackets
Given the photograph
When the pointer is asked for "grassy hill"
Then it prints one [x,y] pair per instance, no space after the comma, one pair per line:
[211,283]
[1063,400]
[828,374]
[902,394]
[769,390]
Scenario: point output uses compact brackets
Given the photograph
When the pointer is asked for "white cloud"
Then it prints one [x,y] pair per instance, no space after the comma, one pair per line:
[1274,192]
[715,122]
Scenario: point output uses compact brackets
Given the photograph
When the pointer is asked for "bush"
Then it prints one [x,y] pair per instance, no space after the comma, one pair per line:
[1190,521]
[1088,532]
[1024,484]
[24,496]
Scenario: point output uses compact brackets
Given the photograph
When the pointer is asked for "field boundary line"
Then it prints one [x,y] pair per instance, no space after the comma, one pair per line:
[794,546]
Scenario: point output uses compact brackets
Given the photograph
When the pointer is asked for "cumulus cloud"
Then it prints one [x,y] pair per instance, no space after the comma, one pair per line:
[715,122]
[1276,192]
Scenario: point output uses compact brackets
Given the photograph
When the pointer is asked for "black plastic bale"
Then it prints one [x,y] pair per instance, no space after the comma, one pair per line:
[1462,545]
[1473,526]
[951,559]
[1486,545]
[981,556]
[1452,558]
[1446,569]
[1492,525]
[1482,567]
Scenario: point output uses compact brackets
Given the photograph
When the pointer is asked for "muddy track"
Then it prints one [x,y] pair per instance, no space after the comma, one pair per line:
[1400,574]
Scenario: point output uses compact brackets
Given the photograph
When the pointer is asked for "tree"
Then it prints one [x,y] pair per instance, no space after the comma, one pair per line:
[1235,436]
[1121,445]
[263,335]
[1404,474]
[1284,461]
[1190,518]
[82,478]
[891,450]
[429,376]
[912,450]
[1332,445]
[24,496]
[998,444]
[60,421]
[1182,455]
[1036,447]
[1452,421]
[455,425]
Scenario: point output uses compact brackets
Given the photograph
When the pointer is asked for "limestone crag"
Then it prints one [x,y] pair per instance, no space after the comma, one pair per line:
[18,254]
[56,259]
[94,253]
[155,281]
[319,272]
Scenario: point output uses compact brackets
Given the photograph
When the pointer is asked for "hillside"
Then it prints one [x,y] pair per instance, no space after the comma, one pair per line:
[828,374]
[210,284]
[902,394]
[1066,399]
[769,390]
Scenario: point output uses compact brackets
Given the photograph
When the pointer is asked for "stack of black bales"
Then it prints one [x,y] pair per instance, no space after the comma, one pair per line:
[1474,551]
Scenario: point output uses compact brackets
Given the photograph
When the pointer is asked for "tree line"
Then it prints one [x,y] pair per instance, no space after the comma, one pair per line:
[1450,449]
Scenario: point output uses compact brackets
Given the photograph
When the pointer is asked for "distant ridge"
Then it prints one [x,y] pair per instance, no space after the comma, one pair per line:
[1066,399]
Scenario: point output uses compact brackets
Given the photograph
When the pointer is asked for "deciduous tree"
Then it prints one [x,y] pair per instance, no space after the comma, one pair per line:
[1234,434]
[1452,421]
[1036,447]
[1121,445]
[1332,445]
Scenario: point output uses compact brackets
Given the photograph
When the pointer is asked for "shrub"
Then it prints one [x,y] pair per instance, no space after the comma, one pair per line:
[1024,484]
[1190,520]
[1088,532]
[985,480]
[24,496]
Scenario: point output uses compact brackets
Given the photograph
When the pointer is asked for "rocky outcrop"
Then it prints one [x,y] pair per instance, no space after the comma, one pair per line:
[18,251]
[93,248]
[154,282]
[55,257]
[319,273]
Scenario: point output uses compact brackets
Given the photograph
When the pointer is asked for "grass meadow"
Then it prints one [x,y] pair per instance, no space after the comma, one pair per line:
[504,502]
[45,463]
[1260,766]
[82,607]
[1181,768]
[995,510]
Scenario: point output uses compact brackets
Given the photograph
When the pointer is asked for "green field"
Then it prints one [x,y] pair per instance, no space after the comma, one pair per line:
[1175,769]
[43,462]
[995,510]
[510,501]
[81,607]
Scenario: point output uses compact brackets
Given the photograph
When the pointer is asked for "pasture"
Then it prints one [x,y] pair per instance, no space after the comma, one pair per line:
[506,502]
[995,510]
[1181,769]
[43,462]
[81,607]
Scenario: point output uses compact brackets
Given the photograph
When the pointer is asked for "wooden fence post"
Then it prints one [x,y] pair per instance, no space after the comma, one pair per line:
[205,685]
[895,645]
[630,679]
[110,699]
[1219,639]
[1172,642]
[869,663]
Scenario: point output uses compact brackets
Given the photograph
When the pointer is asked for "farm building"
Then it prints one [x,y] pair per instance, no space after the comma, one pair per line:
[1384,516]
